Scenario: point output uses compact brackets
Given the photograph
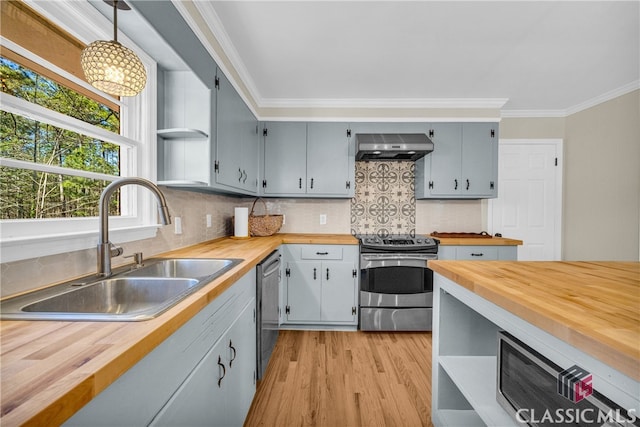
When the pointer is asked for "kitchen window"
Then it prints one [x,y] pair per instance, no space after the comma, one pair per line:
[62,140]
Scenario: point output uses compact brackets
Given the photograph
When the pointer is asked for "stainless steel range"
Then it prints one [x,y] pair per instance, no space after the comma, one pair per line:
[396,284]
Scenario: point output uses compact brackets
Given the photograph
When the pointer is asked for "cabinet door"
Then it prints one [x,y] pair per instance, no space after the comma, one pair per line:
[229,111]
[200,400]
[444,162]
[328,159]
[240,355]
[338,291]
[250,151]
[304,291]
[479,159]
[285,169]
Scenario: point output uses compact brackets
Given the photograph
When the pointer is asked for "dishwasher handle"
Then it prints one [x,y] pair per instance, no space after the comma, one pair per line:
[271,266]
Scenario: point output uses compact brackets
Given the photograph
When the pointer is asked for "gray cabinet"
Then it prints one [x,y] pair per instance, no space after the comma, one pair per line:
[308,160]
[237,140]
[320,284]
[166,384]
[463,164]
[479,253]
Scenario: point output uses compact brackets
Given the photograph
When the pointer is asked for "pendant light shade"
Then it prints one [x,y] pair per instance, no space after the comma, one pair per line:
[112,67]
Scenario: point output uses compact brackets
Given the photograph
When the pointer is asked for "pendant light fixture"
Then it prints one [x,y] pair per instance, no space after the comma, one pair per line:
[111,67]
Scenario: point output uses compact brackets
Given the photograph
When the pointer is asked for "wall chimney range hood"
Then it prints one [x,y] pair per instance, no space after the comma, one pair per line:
[392,146]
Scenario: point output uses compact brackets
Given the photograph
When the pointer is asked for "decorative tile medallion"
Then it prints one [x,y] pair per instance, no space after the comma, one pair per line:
[384,203]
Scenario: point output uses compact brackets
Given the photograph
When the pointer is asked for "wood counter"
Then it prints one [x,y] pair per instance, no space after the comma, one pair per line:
[478,241]
[50,369]
[594,306]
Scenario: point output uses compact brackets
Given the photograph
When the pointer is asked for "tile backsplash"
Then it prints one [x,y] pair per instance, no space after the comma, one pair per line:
[384,202]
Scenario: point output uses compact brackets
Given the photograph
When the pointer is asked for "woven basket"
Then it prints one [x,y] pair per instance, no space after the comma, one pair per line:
[264,225]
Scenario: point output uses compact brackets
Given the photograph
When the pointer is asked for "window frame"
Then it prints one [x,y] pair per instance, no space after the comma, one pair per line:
[32,238]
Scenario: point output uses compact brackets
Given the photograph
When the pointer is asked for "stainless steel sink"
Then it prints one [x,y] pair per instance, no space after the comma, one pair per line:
[181,267]
[128,295]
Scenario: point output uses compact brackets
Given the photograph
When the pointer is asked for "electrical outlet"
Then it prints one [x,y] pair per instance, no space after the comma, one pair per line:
[208,220]
[284,219]
[323,219]
[178,225]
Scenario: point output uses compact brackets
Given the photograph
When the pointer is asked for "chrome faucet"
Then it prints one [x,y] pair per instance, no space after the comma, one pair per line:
[106,250]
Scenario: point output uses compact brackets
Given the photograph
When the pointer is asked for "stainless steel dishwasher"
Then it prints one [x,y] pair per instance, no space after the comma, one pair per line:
[267,301]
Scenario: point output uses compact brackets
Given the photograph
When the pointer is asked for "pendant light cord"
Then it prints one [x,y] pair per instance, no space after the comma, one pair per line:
[115,20]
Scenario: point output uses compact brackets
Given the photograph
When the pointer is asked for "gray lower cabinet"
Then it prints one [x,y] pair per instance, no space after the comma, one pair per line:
[320,284]
[308,160]
[177,383]
[463,164]
[478,253]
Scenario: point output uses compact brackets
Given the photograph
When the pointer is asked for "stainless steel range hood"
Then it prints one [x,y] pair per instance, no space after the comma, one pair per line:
[392,146]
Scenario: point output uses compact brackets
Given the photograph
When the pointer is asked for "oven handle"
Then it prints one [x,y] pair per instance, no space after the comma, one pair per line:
[384,260]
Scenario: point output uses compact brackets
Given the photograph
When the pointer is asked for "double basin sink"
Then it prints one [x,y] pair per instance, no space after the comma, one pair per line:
[130,294]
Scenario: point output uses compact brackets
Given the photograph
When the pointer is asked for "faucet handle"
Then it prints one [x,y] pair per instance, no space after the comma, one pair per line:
[115,250]
[137,258]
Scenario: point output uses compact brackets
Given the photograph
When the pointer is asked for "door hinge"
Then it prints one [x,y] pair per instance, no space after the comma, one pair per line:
[265,132]
[556,161]
[217,84]
[348,133]
[348,185]
[354,273]
[431,133]
[216,167]
[264,183]
[287,310]
[430,185]
[287,272]
[493,133]
[353,311]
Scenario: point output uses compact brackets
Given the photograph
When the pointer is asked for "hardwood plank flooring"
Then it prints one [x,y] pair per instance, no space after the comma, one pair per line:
[345,379]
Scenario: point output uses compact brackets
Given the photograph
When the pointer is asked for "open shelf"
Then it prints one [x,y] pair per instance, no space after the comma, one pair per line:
[179,133]
[475,377]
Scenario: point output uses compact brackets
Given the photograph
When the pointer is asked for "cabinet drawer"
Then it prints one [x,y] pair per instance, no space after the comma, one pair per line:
[477,253]
[321,252]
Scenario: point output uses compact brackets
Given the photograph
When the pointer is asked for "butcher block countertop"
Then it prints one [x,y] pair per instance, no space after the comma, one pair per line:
[478,241]
[50,369]
[594,306]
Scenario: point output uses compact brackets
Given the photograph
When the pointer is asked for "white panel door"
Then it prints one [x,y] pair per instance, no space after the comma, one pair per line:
[529,203]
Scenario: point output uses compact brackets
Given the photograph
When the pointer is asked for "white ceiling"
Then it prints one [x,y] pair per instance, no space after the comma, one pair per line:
[548,56]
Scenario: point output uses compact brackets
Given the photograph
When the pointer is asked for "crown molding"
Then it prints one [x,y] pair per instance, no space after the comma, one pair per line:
[489,103]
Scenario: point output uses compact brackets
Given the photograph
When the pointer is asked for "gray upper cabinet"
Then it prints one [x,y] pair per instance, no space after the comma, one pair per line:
[237,140]
[308,160]
[330,161]
[463,164]
[285,158]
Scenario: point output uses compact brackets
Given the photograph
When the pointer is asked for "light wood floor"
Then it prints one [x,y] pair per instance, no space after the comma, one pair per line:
[336,379]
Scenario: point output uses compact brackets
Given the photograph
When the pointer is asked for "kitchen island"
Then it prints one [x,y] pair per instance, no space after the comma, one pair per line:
[584,313]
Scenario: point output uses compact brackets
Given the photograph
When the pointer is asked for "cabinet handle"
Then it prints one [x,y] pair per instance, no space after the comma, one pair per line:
[311,182]
[456,187]
[467,184]
[224,370]
[300,183]
[244,172]
[480,254]
[327,274]
[234,353]
[314,274]
[239,177]
[322,253]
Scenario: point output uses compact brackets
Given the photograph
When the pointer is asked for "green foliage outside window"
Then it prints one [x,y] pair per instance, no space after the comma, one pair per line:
[32,194]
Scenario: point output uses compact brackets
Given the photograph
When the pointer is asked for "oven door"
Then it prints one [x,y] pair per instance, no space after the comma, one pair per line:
[389,279]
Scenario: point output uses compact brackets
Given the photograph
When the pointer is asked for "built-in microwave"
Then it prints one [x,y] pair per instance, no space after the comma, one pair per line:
[537,392]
